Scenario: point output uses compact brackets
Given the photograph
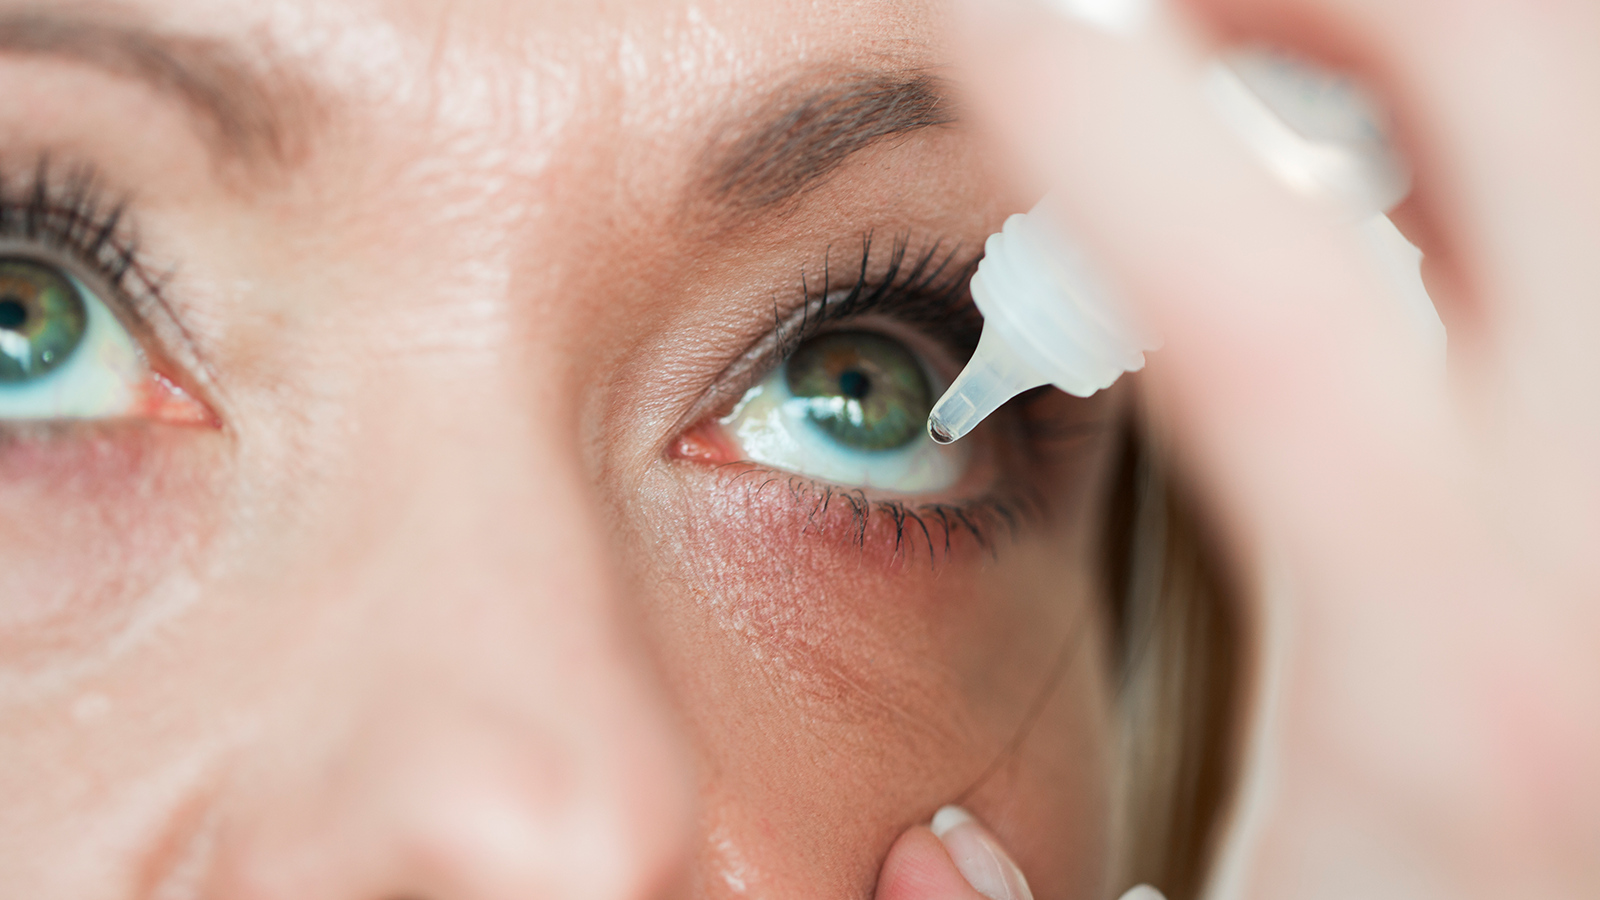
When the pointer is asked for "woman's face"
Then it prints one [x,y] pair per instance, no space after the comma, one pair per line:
[473,449]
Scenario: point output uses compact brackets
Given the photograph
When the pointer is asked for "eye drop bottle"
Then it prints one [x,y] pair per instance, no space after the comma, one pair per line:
[1049,320]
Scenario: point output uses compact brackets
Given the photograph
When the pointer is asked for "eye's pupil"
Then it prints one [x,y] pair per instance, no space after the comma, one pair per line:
[855,385]
[865,390]
[13,314]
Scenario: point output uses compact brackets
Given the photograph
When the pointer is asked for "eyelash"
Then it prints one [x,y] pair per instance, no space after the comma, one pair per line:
[73,216]
[936,524]
[929,293]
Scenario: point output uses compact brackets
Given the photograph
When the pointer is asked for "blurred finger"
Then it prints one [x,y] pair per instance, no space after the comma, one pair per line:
[957,859]
[1287,364]
[1496,102]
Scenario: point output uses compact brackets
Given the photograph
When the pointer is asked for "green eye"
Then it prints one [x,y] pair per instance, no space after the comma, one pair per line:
[865,390]
[42,319]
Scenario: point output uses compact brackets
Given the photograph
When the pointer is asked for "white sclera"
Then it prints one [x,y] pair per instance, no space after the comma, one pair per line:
[772,427]
[101,379]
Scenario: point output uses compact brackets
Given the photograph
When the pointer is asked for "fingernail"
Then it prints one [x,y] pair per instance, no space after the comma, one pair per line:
[978,856]
[1143,892]
[1123,17]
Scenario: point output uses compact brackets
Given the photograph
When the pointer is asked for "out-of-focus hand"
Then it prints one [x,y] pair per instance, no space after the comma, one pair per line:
[1433,539]
[956,858]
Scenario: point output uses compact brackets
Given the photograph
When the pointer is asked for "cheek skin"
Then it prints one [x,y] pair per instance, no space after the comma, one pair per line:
[96,518]
[840,684]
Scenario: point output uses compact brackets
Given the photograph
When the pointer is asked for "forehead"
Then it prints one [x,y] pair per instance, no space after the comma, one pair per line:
[647,66]
[512,83]
[624,97]
[650,47]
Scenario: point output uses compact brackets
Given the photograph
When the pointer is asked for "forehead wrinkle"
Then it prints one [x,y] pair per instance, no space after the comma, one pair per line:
[254,115]
[801,133]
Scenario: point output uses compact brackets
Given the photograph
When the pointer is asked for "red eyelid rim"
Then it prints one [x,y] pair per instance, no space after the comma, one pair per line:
[707,443]
[162,400]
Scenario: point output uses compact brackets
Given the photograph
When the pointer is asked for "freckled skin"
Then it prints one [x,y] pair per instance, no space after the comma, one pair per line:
[456,602]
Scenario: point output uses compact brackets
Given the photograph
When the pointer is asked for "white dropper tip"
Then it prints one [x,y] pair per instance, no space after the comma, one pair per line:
[1046,320]
[995,375]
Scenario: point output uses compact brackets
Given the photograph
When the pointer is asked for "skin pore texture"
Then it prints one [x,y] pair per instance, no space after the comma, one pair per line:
[464,595]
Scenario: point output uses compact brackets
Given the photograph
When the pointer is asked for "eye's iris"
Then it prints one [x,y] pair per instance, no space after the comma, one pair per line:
[42,319]
[867,391]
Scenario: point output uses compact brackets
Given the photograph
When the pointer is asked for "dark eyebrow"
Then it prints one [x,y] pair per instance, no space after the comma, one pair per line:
[800,134]
[215,80]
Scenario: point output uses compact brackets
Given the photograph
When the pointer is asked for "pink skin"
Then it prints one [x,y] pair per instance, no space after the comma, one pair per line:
[440,608]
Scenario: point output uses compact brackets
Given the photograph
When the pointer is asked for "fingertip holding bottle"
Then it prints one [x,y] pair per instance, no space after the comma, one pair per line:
[978,856]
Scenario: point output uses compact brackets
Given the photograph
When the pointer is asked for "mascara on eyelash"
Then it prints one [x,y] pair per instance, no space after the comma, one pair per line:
[939,528]
[927,290]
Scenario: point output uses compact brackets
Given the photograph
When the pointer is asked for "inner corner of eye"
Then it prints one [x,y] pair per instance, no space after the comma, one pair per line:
[706,442]
[65,355]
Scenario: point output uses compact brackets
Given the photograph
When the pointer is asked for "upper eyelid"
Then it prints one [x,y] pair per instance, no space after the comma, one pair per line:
[931,272]
[70,215]
[935,278]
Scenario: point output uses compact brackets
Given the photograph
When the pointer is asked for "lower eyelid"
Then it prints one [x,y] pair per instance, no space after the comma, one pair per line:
[891,532]
[989,507]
